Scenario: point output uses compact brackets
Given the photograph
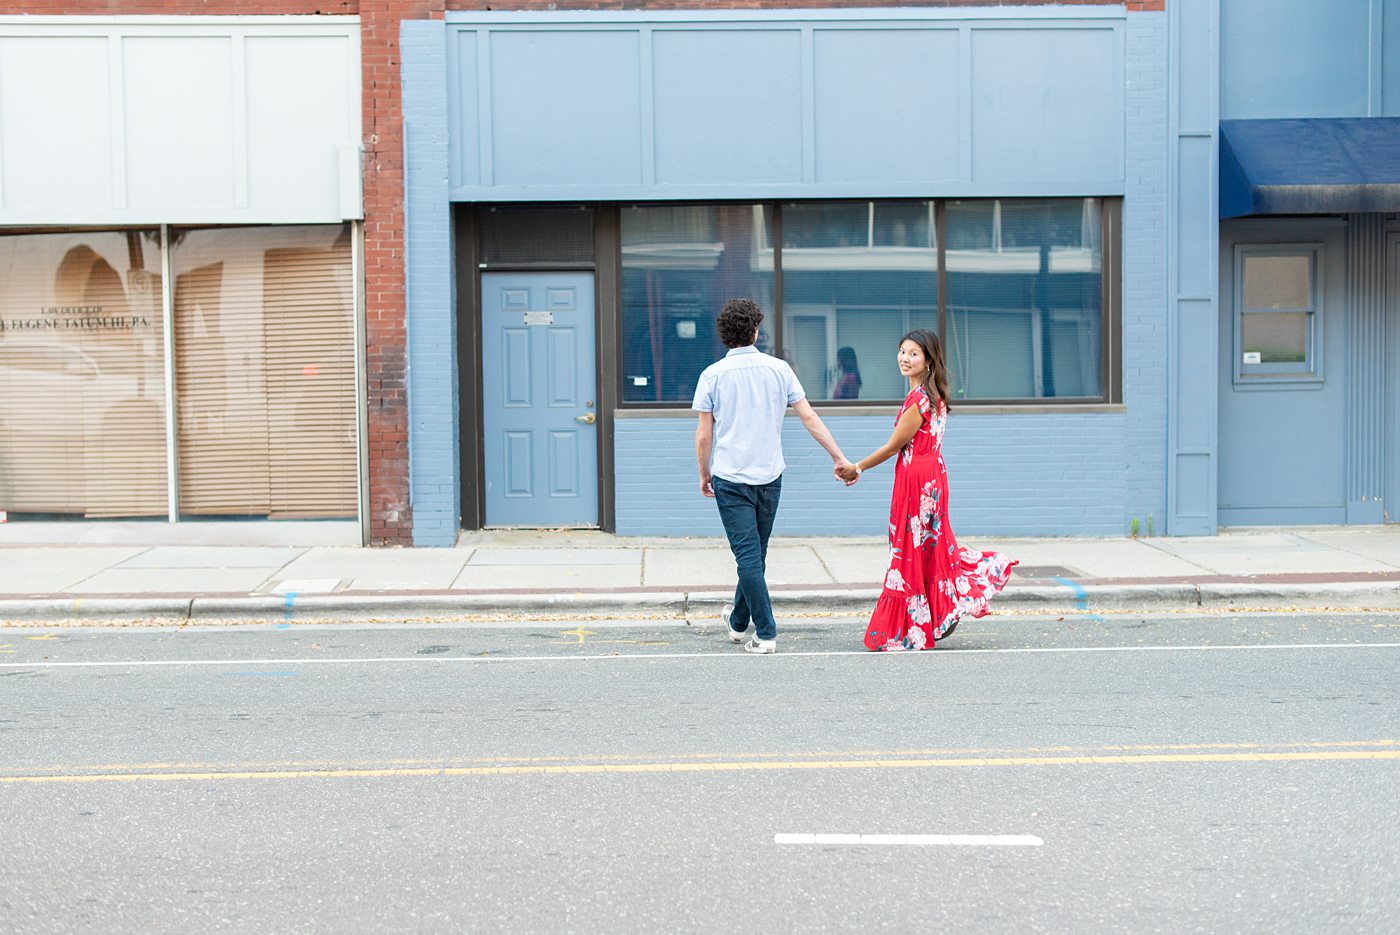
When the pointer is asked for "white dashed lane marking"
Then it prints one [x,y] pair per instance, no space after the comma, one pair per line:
[912,840]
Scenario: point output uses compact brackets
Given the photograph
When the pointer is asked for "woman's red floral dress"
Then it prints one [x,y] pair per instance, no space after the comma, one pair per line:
[932,582]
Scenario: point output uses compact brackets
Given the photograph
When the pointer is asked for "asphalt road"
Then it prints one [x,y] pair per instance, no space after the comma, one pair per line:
[1174,773]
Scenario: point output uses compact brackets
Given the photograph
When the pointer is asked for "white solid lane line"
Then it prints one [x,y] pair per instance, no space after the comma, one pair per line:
[913,840]
[948,654]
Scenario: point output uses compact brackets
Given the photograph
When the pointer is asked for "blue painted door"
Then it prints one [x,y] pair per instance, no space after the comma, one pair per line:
[539,395]
[1282,418]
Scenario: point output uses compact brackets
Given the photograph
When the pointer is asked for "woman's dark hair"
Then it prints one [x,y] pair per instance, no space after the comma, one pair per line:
[738,321]
[936,379]
[846,360]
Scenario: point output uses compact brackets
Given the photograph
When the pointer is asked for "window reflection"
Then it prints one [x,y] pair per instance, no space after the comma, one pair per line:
[265,372]
[856,276]
[680,263]
[82,391]
[1025,308]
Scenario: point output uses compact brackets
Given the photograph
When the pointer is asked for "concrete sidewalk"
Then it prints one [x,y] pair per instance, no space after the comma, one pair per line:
[572,572]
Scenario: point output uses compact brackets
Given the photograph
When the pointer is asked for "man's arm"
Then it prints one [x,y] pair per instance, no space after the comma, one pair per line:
[704,442]
[818,430]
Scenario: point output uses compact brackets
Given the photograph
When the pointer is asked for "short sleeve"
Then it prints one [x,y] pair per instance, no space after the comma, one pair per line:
[795,393]
[704,393]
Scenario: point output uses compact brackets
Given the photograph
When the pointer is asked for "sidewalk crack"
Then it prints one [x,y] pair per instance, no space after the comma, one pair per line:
[822,562]
[462,570]
[1327,545]
[68,591]
[1205,568]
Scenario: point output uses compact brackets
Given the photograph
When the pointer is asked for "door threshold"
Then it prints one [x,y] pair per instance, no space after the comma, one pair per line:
[592,528]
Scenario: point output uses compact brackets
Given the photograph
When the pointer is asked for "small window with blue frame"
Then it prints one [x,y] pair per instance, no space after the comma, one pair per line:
[1276,313]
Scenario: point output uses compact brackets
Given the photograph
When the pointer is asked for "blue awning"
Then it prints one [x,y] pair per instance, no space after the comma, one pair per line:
[1336,165]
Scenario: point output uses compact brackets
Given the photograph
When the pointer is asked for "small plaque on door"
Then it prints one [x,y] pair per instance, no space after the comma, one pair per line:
[539,318]
[1252,357]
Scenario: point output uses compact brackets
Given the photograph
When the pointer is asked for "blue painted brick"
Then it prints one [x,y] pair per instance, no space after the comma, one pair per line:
[1041,474]
[431,327]
[1145,269]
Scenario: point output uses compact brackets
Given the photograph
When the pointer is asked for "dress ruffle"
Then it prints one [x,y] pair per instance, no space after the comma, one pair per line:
[902,621]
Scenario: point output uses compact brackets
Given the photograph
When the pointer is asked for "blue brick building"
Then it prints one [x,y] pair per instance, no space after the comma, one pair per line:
[1041,184]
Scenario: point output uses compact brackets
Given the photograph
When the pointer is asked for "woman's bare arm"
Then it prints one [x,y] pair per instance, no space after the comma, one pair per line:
[904,431]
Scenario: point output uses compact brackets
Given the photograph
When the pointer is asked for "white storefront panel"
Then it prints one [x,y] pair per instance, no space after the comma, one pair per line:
[138,120]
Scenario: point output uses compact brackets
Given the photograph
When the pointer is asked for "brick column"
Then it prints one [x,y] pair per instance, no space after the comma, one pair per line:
[390,508]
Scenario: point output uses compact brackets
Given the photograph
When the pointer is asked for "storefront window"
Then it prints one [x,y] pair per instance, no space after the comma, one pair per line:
[82,376]
[1024,317]
[265,372]
[680,263]
[1025,298]
[856,276]
[263,384]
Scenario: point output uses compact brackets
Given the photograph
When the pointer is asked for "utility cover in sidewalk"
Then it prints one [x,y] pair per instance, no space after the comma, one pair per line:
[307,586]
[1047,571]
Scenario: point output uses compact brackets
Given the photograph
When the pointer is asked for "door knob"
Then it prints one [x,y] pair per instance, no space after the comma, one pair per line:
[587,418]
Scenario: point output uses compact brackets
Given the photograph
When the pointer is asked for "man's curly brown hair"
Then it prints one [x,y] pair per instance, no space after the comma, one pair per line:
[738,321]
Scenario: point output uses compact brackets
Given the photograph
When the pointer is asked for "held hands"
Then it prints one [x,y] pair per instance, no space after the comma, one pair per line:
[846,472]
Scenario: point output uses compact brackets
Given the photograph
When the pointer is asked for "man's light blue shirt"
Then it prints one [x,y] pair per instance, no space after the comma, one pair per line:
[748,392]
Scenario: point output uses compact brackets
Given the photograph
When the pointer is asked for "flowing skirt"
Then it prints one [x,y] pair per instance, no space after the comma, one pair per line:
[931,582]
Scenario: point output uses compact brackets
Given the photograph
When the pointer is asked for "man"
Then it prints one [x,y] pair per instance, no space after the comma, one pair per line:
[742,399]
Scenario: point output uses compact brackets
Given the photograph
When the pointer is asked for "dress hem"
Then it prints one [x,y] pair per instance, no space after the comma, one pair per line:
[968,606]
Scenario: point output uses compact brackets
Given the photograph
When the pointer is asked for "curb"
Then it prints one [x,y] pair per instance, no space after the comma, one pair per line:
[41,610]
[429,605]
[1066,599]
[1381,595]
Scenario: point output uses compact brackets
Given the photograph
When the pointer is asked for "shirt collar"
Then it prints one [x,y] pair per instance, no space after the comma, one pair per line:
[746,349]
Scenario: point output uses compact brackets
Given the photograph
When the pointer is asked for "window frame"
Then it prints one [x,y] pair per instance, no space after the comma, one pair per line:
[1265,375]
[1110,215]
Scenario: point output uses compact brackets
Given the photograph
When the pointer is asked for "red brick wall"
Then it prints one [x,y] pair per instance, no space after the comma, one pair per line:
[390,513]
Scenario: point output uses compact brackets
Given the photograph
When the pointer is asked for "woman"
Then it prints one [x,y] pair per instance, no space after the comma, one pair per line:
[848,384]
[931,581]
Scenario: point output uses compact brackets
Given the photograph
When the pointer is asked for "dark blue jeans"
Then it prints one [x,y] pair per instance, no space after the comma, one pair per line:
[747,512]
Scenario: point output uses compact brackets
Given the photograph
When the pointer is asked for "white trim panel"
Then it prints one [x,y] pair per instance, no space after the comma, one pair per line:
[195,120]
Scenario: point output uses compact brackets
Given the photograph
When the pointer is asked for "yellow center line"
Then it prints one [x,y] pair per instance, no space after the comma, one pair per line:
[780,755]
[721,767]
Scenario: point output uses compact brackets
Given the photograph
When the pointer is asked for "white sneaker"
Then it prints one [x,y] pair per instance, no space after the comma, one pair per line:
[735,636]
[762,647]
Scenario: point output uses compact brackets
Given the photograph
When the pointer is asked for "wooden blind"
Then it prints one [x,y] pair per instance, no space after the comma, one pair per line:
[265,372]
[82,390]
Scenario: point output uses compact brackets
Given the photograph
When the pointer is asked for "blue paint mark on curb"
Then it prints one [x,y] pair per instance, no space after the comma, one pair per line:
[289,601]
[1081,597]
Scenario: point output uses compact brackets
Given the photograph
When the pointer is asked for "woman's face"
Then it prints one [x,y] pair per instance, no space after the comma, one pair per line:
[912,361]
